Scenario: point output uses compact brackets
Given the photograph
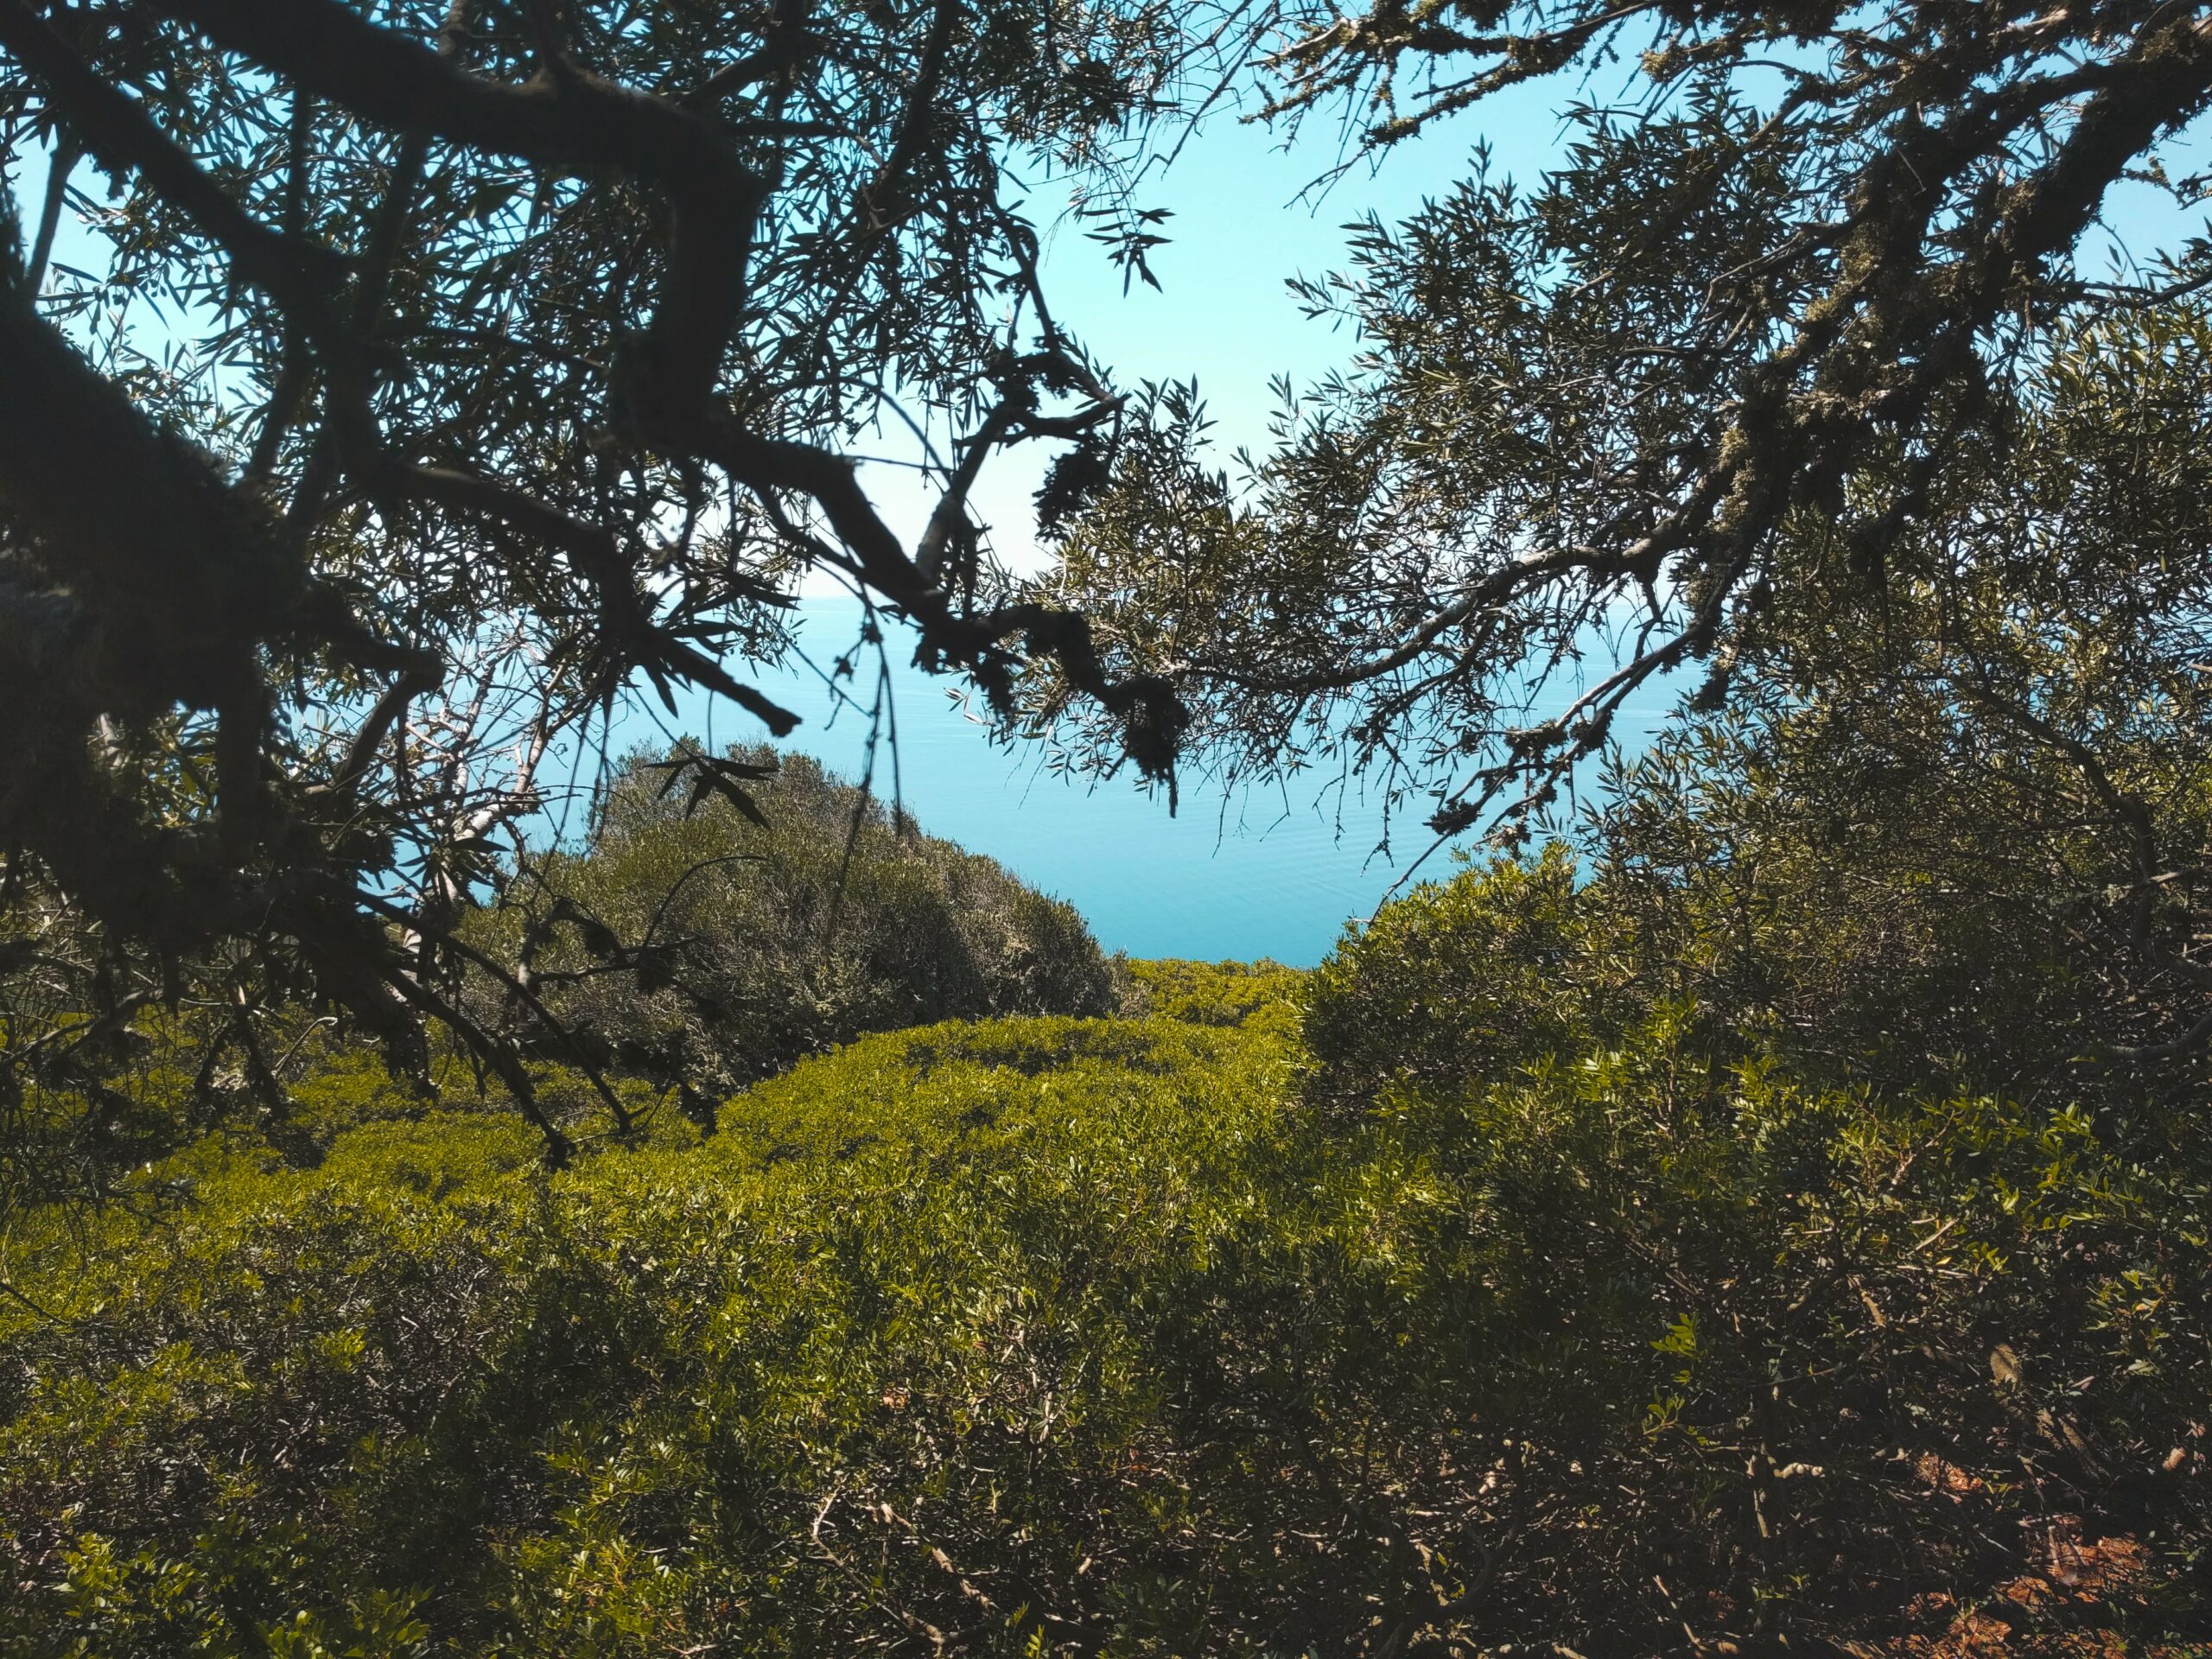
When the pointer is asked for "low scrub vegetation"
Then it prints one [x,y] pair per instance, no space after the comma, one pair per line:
[683,950]
[1178,1333]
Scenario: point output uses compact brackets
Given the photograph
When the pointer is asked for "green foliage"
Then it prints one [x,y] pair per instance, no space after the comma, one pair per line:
[1056,1335]
[1643,1273]
[714,942]
[683,953]
[587,1412]
[1467,980]
[1749,351]
[1258,994]
[597,354]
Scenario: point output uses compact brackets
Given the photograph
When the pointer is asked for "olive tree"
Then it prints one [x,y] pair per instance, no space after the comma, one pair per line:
[1720,357]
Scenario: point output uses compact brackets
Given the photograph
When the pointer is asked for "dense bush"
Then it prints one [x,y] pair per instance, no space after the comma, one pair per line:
[1928,1348]
[744,1389]
[1053,1336]
[1806,877]
[1257,994]
[681,954]
[1466,981]
[692,944]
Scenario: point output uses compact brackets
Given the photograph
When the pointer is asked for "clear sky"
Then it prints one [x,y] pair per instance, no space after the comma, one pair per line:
[1228,878]
[1242,221]
[1244,878]
[1255,875]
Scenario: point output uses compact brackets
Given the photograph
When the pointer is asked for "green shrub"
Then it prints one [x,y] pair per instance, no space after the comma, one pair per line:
[1052,1335]
[1463,981]
[1258,994]
[1890,889]
[579,1412]
[701,947]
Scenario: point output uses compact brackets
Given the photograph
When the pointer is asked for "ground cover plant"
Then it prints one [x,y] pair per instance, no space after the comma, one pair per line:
[678,949]
[1139,1336]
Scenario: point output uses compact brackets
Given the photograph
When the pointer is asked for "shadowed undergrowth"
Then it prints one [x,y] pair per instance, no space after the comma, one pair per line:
[1045,1336]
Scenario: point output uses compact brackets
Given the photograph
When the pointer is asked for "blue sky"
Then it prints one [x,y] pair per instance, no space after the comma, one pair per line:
[1249,877]
[1276,874]
[1242,221]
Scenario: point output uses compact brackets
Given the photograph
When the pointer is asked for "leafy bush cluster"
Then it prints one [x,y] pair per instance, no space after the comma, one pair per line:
[712,942]
[1050,1336]
[1931,1354]
[1463,983]
[1239,993]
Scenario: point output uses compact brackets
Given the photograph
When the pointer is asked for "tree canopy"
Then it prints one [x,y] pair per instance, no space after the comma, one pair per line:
[1806,264]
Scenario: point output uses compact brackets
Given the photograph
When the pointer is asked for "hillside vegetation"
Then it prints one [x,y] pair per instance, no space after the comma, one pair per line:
[711,939]
[1056,1335]
[684,949]
[1759,1203]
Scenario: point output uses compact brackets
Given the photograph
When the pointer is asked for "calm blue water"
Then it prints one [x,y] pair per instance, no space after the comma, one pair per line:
[1252,877]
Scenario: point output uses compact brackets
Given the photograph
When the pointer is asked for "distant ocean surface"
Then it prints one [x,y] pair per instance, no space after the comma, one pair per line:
[1224,878]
